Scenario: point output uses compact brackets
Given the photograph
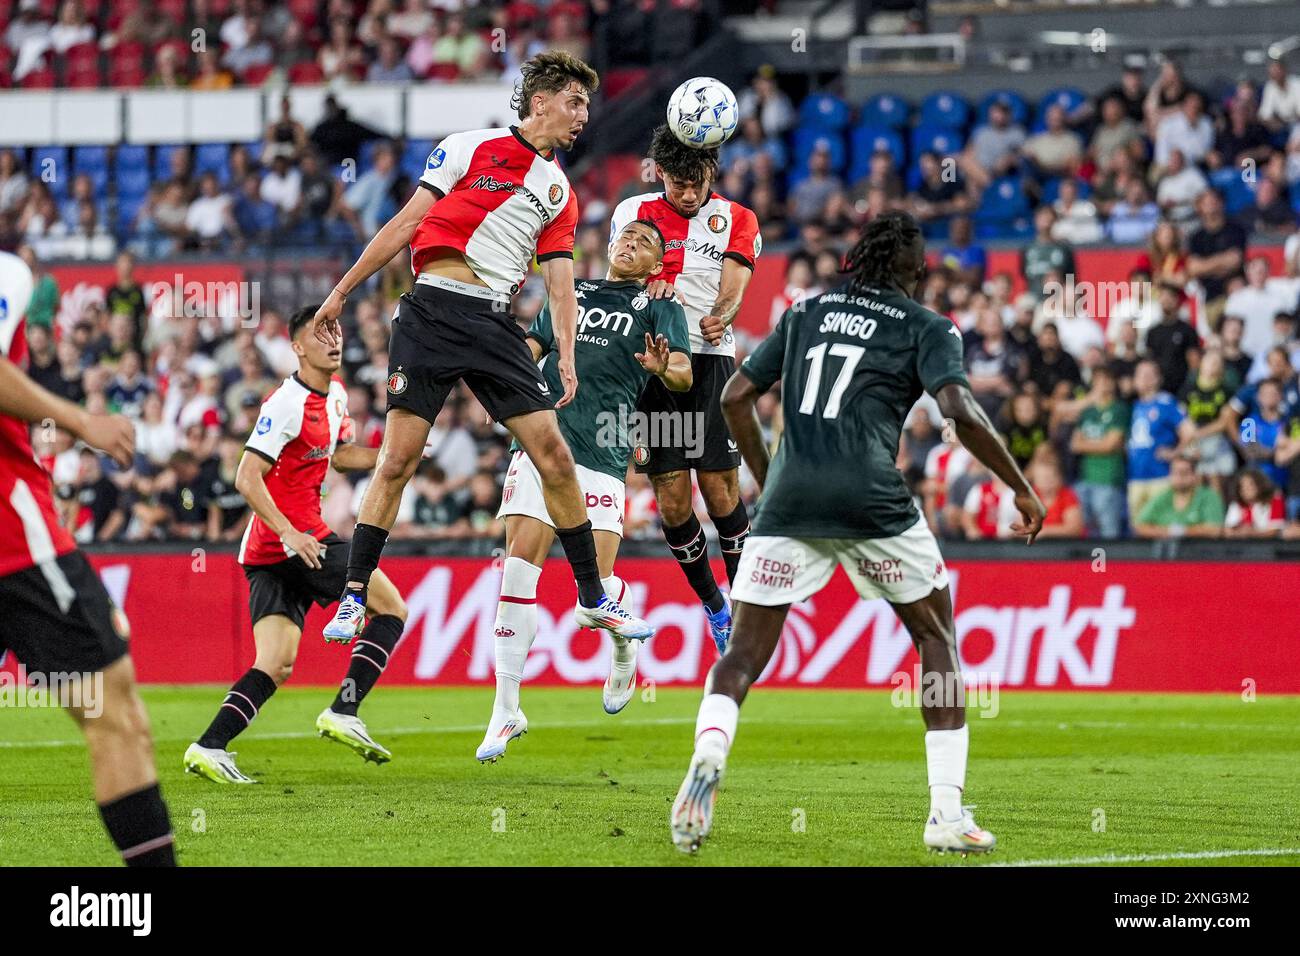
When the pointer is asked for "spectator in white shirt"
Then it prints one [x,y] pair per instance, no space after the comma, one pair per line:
[1257,302]
[282,186]
[1179,187]
[1076,221]
[209,216]
[1280,104]
[1189,131]
[764,99]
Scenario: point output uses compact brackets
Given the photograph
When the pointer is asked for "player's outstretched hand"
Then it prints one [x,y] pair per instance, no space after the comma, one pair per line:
[656,355]
[713,329]
[1032,513]
[326,322]
[303,545]
[660,289]
[569,379]
[114,435]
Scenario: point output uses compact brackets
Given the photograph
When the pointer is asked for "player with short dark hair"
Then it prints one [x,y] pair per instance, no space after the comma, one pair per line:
[852,363]
[60,622]
[293,560]
[712,243]
[624,338]
[489,202]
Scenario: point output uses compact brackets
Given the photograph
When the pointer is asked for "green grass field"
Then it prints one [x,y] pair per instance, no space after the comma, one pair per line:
[816,777]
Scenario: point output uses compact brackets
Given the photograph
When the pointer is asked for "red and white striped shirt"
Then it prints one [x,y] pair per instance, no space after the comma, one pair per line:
[1262,515]
[500,203]
[297,430]
[30,533]
[722,229]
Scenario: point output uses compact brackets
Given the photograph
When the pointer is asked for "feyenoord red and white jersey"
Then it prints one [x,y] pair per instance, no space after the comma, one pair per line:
[29,527]
[500,203]
[722,229]
[297,430]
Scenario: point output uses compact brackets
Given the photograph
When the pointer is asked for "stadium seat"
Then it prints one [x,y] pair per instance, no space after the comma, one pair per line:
[213,158]
[257,75]
[174,10]
[308,71]
[85,76]
[866,140]
[128,207]
[946,109]
[809,138]
[305,12]
[92,161]
[443,71]
[886,109]
[416,154]
[1003,211]
[1052,189]
[936,139]
[42,79]
[129,154]
[1068,97]
[132,182]
[162,159]
[1008,98]
[50,164]
[824,111]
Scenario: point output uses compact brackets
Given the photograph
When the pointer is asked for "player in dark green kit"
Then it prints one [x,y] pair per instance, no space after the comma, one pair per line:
[852,363]
[623,337]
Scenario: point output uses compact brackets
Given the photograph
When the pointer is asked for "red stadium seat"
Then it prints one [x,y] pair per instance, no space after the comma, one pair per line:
[119,10]
[308,71]
[444,71]
[42,79]
[306,12]
[126,65]
[77,57]
[256,75]
[174,10]
[85,77]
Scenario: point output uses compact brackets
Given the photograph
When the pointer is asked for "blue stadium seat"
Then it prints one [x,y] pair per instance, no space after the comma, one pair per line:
[808,138]
[92,161]
[213,158]
[129,154]
[1067,96]
[1003,211]
[824,111]
[1008,98]
[415,155]
[132,182]
[936,139]
[162,159]
[1052,189]
[127,209]
[50,165]
[945,108]
[866,140]
[886,109]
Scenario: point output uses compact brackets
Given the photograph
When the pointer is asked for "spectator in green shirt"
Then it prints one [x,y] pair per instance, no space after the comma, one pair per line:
[45,291]
[1098,440]
[1186,509]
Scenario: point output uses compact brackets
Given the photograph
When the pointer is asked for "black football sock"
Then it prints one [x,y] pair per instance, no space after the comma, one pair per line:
[363,557]
[244,699]
[370,656]
[580,549]
[140,829]
[733,529]
[689,547]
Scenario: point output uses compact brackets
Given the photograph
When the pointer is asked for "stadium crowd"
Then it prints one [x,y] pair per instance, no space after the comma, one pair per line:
[1179,415]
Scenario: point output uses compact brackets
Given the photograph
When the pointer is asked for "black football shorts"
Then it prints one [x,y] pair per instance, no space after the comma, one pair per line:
[695,435]
[290,587]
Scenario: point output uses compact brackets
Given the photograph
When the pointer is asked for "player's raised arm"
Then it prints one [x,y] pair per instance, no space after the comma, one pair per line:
[976,432]
[24,399]
[392,237]
[557,274]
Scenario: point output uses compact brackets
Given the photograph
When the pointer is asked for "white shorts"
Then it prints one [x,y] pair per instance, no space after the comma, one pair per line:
[901,569]
[522,495]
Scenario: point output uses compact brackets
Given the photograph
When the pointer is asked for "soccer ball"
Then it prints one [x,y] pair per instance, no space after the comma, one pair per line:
[703,112]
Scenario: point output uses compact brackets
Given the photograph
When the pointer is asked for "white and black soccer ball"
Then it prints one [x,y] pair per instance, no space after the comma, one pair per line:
[703,112]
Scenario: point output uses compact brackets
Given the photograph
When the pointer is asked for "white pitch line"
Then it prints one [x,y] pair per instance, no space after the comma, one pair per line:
[1154,857]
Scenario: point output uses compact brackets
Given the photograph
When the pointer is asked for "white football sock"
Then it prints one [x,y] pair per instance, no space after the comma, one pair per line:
[715,727]
[616,588]
[945,763]
[515,628]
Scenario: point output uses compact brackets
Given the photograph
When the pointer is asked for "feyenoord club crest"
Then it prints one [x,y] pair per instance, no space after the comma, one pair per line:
[717,222]
[555,193]
[641,454]
[397,383]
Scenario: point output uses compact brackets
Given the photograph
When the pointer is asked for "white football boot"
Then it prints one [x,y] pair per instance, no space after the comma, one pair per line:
[503,728]
[348,620]
[215,765]
[350,731]
[957,836]
[620,685]
[692,816]
[612,616]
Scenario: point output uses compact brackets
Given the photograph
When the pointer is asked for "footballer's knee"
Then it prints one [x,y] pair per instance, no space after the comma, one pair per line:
[720,490]
[553,458]
[397,465]
[673,497]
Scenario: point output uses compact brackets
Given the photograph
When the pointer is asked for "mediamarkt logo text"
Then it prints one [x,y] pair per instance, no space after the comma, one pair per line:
[1067,642]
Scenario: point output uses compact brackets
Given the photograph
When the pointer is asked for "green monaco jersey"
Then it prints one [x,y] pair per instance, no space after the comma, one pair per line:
[852,365]
[613,319]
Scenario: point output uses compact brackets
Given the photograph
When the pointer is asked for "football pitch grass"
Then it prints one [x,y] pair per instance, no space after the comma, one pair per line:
[816,778]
